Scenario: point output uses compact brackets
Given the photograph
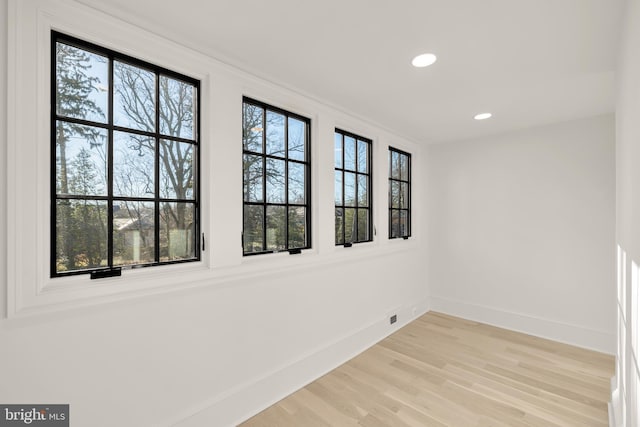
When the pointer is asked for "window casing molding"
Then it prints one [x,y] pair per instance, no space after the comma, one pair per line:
[31,293]
[30,289]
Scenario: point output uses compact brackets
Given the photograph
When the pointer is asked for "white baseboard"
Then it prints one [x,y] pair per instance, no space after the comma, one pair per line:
[612,420]
[601,341]
[615,411]
[246,400]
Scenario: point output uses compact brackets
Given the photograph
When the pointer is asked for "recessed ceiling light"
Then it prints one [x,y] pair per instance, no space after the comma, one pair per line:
[482,116]
[424,60]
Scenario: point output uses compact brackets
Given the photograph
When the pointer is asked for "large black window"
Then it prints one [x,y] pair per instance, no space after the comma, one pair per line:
[276,173]
[399,194]
[124,137]
[352,168]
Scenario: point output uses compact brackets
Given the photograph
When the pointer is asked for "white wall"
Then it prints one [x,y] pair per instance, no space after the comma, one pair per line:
[3,151]
[521,231]
[244,332]
[626,384]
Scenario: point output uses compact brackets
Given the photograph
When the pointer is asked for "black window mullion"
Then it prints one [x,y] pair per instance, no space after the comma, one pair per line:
[156,173]
[287,202]
[110,129]
[370,192]
[344,193]
[408,195]
[354,227]
[344,204]
[307,184]
[264,179]
[264,226]
[110,166]
[390,198]
[359,141]
[407,182]
[286,182]
[79,121]
[53,247]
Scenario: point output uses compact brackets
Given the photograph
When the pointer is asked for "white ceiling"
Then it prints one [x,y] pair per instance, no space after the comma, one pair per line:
[529,62]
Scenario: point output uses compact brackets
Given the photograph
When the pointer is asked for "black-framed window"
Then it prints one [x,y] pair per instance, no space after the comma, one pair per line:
[352,182]
[399,194]
[124,162]
[276,175]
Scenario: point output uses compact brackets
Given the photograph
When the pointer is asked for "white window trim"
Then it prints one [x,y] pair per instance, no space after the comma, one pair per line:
[30,288]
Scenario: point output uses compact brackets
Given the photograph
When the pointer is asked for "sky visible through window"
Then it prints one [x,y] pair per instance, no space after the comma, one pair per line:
[276,168]
[126,174]
[352,185]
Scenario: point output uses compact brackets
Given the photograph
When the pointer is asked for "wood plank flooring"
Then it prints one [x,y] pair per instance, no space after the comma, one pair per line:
[445,371]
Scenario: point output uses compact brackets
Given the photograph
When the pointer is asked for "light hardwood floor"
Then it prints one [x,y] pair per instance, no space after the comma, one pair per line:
[445,371]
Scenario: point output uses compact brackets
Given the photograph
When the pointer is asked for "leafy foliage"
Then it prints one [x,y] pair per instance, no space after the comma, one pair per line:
[82,228]
[274,211]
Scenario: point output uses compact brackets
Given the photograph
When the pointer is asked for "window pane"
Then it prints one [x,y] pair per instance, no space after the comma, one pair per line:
[297,227]
[338,188]
[177,231]
[395,194]
[284,172]
[296,183]
[275,134]
[176,170]
[404,167]
[81,235]
[363,190]
[363,225]
[403,228]
[253,228]
[339,226]
[403,202]
[81,160]
[349,189]
[275,181]
[276,231]
[133,165]
[399,194]
[395,223]
[117,154]
[252,127]
[395,165]
[297,138]
[134,97]
[363,156]
[350,225]
[177,108]
[349,153]
[133,232]
[82,84]
[252,182]
[338,150]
